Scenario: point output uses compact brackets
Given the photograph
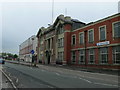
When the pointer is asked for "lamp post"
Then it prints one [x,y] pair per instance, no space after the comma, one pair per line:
[32,52]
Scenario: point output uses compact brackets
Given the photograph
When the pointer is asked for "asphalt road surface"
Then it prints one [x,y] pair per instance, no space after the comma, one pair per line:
[32,77]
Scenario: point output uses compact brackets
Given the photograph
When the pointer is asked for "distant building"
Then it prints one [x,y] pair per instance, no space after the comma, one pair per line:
[69,41]
[26,47]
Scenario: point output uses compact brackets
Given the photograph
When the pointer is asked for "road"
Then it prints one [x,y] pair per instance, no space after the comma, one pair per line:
[52,77]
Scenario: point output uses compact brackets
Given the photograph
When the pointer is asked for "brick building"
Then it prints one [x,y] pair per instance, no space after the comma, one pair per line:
[96,44]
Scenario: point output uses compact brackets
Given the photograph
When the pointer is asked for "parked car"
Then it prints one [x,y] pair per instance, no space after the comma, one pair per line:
[2,61]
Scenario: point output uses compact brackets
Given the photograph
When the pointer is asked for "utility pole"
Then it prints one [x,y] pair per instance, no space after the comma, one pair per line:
[65,11]
[52,10]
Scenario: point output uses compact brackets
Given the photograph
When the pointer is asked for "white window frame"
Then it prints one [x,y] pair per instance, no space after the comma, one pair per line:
[72,57]
[103,54]
[83,37]
[72,39]
[58,43]
[113,28]
[88,35]
[115,55]
[82,55]
[89,56]
[105,32]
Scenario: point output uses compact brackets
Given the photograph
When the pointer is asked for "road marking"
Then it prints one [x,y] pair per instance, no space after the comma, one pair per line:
[107,84]
[17,80]
[9,74]
[98,73]
[50,86]
[97,78]
[57,74]
[85,80]
[42,70]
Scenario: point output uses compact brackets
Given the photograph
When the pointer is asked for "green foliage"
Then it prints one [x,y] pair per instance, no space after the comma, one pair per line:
[15,56]
[9,56]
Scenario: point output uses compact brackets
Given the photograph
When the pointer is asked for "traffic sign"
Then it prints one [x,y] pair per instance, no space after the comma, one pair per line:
[32,52]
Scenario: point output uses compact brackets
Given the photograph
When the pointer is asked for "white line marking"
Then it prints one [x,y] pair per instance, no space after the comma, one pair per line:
[50,86]
[107,84]
[85,80]
[98,78]
[17,80]
[42,70]
[57,74]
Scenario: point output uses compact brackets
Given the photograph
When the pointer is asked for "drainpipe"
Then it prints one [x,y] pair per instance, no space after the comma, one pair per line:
[85,33]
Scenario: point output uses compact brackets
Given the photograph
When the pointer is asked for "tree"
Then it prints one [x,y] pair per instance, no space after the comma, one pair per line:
[15,56]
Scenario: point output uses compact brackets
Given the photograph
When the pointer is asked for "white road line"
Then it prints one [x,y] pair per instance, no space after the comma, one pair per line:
[98,78]
[85,80]
[98,73]
[9,74]
[106,84]
[42,70]
[17,80]
[50,86]
[57,74]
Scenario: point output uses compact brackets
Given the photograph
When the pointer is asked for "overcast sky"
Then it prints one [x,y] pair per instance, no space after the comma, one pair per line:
[20,20]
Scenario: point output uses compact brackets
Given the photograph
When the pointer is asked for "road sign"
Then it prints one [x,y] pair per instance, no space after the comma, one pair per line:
[32,52]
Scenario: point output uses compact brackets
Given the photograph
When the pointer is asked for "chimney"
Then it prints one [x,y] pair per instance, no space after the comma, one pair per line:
[67,18]
[61,16]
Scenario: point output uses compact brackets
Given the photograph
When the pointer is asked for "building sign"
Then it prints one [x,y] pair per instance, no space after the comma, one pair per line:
[103,43]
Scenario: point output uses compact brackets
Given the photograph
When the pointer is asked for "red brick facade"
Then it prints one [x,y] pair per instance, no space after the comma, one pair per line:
[101,48]
[108,22]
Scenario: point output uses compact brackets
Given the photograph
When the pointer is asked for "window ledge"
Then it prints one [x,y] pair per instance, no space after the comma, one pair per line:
[103,40]
[115,64]
[91,63]
[81,63]
[91,42]
[116,38]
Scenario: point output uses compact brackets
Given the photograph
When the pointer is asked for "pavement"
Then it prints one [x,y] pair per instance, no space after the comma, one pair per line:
[77,68]
[4,82]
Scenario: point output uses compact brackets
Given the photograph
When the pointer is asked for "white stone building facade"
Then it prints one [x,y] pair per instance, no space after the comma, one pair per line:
[26,47]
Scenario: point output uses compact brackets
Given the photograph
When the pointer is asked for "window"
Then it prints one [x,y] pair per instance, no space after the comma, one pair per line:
[82,56]
[81,38]
[91,56]
[102,33]
[116,30]
[91,36]
[103,55]
[116,55]
[73,39]
[58,42]
[62,41]
[60,30]
[62,56]
[73,58]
